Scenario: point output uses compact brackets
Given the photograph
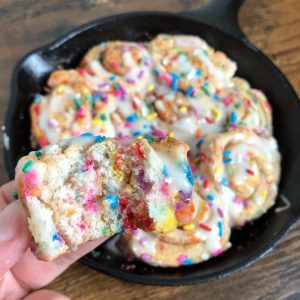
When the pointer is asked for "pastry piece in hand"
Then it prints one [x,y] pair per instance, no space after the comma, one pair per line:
[90,186]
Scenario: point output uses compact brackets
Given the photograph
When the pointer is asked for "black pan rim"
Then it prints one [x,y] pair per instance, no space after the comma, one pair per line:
[72,35]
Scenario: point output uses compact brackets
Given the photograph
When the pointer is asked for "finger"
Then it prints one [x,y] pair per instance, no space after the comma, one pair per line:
[14,235]
[46,295]
[6,191]
[29,266]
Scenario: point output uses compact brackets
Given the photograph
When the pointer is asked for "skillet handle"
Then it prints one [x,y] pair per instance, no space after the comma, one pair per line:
[221,14]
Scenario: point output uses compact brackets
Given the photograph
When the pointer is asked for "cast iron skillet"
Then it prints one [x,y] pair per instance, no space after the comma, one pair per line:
[217,24]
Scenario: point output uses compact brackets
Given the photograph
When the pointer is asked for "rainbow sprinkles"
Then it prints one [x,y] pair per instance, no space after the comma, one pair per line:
[175,86]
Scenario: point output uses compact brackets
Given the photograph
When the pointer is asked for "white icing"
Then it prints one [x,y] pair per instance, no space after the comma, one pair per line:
[175,171]
[183,127]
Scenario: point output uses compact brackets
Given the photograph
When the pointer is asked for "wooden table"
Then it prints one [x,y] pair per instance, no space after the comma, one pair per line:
[274,26]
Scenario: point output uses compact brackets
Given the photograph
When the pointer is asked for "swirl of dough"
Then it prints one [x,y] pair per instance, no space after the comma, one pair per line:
[246,107]
[79,102]
[187,118]
[207,236]
[69,109]
[188,63]
[244,169]
[127,63]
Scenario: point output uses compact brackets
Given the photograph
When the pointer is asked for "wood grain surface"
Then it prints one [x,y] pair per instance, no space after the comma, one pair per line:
[273,25]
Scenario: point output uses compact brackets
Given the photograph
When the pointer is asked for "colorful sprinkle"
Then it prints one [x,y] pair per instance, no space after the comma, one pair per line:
[183,109]
[85,91]
[205,183]
[227,101]
[205,227]
[60,89]
[190,91]
[188,172]
[100,138]
[87,134]
[198,73]
[37,98]
[26,168]
[224,181]
[263,194]
[80,113]
[136,133]
[205,90]
[149,138]
[175,79]
[187,261]
[116,86]
[38,154]
[103,117]
[227,161]
[217,113]
[218,170]
[233,118]
[227,153]
[77,103]
[220,228]
[165,171]
[188,227]
[141,74]
[151,116]
[56,237]
[132,118]
[237,105]
[216,97]
[150,87]
[250,172]
[198,133]
[200,142]
[15,195]
[210,197]
[218,252]
[184,259]
[145,257]
[112,200]
[37,109]
[220,212]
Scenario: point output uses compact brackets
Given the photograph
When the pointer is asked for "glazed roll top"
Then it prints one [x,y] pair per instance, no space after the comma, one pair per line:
[244,169]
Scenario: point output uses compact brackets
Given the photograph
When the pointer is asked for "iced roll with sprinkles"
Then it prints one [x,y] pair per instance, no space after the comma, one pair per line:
[189,64]
[70,108]
[127,63]
[90,186]
[244,169]
[205,237]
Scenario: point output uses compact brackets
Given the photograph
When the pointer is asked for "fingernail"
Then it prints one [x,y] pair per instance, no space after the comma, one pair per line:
[9,222]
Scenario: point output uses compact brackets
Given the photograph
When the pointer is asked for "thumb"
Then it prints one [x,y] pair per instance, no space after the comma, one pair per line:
[46,295]
[14,235]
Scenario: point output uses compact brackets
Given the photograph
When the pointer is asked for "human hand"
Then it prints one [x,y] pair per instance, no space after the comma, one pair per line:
[21,273]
